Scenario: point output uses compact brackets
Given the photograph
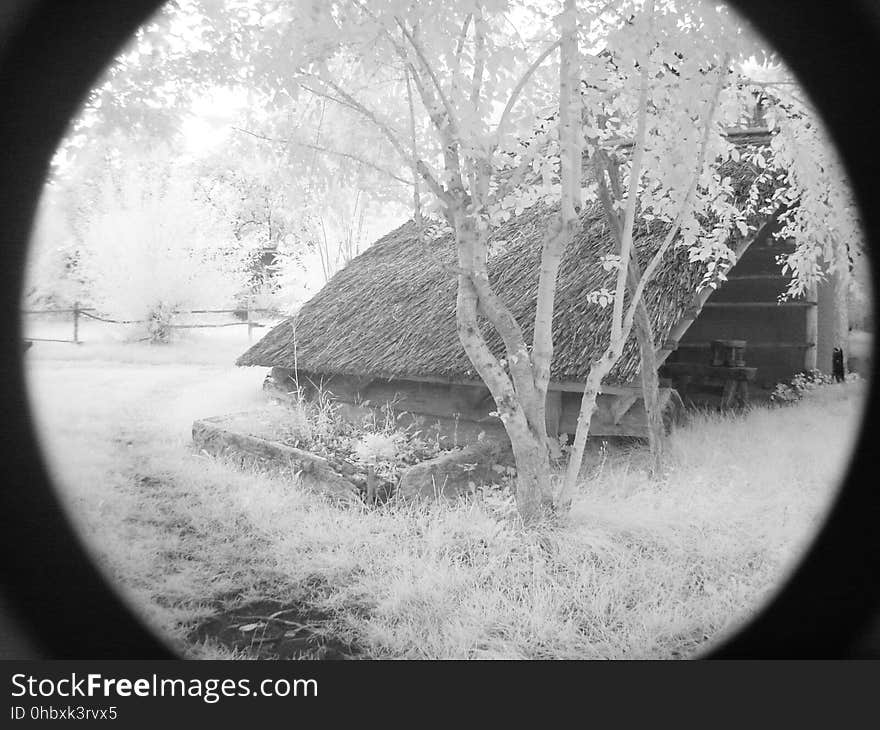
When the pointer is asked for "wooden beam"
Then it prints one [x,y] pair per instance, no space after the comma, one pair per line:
[812,325]
[620,406]
[438,379]
[577,386]
[553,412]
[751,345]
[759,277]
[757,305]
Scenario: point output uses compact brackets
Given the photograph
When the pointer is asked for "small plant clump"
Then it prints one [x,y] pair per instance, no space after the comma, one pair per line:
[378,445]
[803,384]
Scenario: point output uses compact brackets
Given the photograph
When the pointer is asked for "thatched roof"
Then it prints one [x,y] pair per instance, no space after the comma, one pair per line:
[390,312]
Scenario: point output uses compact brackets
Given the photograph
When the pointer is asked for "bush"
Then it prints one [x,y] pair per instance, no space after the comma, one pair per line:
[378,442]
[799,386]
[52,277]
[152,248]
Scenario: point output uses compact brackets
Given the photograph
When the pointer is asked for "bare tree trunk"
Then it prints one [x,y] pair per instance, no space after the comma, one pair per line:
[518,399]
[644,330]
[592,387]
[519,402]
[649,376]
[534,496]
[651,392]
[561,231]
[620,324]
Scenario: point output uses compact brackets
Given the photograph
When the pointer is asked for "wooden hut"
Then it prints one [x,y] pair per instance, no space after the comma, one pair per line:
[780,337]
[383,331]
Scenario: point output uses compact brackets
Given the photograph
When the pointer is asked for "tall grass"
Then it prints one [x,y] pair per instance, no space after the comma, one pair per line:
[641,568]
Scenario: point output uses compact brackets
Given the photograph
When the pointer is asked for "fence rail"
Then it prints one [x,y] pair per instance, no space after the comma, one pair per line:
[90,313]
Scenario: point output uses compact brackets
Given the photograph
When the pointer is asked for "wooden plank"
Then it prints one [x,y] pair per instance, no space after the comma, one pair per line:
[576,386]
[566,386]
[757,305]
[812,326]
[439,379]
[430,399]
[620,406]
[759,277]
[696,371]
[704,345]
[553,412]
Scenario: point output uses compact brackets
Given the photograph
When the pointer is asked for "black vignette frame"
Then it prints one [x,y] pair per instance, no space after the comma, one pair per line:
[52,55]
[52,51]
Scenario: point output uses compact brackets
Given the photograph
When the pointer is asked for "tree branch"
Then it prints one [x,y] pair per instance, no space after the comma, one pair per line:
[479,61]
[349,101]
[417,201]
[461,38]
[673,231]
[514,96]
[420,53]
[635,174]
[644,330]
[326,150]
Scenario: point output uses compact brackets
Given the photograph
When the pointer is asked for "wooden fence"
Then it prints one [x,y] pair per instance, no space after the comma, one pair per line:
[78,312]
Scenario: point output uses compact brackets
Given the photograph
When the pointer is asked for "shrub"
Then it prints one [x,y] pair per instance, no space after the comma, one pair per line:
[151,248]
[378,442]
[799,386]
[52,276]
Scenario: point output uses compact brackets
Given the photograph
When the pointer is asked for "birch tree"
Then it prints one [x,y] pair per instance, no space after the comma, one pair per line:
[667,174]
[661,83]
[452,142]
[671,76]
[660,51]
[479,109]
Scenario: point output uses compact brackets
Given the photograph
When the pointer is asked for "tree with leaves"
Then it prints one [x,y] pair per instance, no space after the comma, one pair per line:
[483,108]
[53,276]
[152,248]
[466,167]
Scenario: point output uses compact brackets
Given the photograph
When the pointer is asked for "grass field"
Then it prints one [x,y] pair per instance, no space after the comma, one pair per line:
[640,569]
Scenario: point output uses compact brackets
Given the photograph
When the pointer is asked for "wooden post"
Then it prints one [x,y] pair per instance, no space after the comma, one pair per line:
[250,319]
[833,320]
[76,323]
[811,338]
[553,412]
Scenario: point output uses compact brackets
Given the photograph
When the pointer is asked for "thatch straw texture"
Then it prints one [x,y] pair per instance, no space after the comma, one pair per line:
[390,312]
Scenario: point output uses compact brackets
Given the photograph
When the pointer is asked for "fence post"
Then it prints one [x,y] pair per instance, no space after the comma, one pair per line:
[250,319]
[76,323]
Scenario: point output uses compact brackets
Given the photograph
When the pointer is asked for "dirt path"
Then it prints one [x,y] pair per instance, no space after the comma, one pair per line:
[117,440]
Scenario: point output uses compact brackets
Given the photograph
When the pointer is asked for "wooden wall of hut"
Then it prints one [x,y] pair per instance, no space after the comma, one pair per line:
[461,411]
[780,337]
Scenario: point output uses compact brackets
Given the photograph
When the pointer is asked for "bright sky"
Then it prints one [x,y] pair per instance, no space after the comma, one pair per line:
[210,122]
[209,126]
